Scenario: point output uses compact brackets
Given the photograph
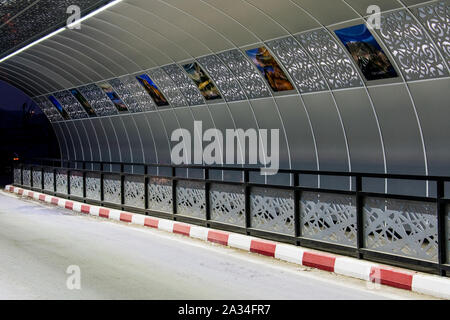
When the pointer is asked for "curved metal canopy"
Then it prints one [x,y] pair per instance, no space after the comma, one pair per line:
[334,119]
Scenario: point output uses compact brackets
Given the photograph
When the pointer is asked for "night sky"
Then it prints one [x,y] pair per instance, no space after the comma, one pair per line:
[24,133]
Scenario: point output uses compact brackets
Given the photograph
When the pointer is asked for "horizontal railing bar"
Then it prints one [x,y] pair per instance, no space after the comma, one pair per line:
[256,169]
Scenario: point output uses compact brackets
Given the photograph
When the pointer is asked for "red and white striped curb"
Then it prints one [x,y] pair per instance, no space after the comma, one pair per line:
[364,270]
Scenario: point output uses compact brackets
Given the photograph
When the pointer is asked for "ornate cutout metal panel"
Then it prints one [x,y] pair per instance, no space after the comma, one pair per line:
[37,178]
[111,188]
[416,56]
[223,78]
[132,93]
[272,210]
[305,74]
[184,84]
[227,203]
[26,177]
[76,183]
[160,194]
[48,109]
[436,19]
[328,217]
[61,181]
[98,100]
[247,75]
[331,58]
[401,227]
[71,105]
[17,176]
[191,199]
[93,186]
[49,180]
[168,87]
[134,192]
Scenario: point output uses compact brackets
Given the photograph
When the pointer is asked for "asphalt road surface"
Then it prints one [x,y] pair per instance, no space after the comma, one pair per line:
[39,243]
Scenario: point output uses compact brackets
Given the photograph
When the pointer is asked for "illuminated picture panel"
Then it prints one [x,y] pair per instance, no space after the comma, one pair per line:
[152,90]
[112,95]
[367,53]
[202,81]
[270,69]
[84,103]
[59,107]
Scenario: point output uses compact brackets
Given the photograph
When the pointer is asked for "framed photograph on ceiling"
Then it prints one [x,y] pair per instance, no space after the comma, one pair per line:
[366,52]
[113,96]
[270,69]
[153,90]
[84,103]
[203,82]
[59,107]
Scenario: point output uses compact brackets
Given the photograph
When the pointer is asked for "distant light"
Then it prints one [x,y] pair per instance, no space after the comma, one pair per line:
[93,13]
[15,159]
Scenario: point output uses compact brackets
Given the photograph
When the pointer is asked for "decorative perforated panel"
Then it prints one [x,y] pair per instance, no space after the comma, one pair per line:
[406,228]
[416,56]
[331,58]
[61,181]
[184,84]
[17,176]
[76,183]
[98,100]
[328,217]
[168,87]
[436,19]
[93,186]
[223,78]
[26,177]
[48,109]
[227,203]
[134,191]
[49,180]
[111,188]
[191,199]
[37,178]
[71,105]
[247,75]
[160,194]
[305,74]
[272,210]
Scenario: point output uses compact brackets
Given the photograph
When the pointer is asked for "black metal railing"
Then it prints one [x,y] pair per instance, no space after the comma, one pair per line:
[399,229]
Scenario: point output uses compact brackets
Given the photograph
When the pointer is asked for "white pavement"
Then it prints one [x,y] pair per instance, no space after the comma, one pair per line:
[38,242]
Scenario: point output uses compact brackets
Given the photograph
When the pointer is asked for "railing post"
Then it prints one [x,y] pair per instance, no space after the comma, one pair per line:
[122,185]
[146,181]
[84,185]
[54,179]
[174,191]
[102,191]
[207,191]
[441,223]
[31,177]
[296,184]
[248,218]
[42,179]
[68,182]
[359,217]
